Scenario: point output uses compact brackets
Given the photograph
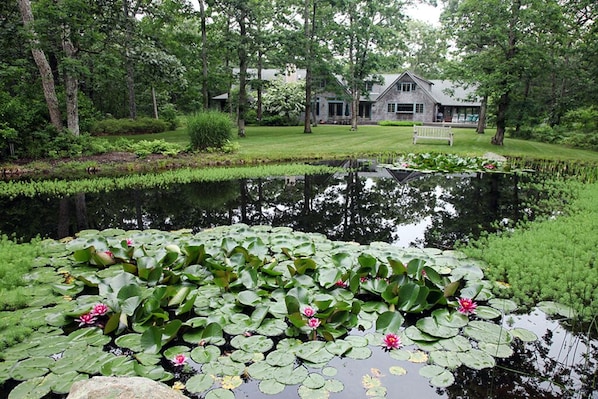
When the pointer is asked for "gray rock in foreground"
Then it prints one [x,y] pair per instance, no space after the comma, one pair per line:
[122,388]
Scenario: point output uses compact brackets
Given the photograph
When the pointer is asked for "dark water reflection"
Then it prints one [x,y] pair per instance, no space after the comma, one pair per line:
[373,204]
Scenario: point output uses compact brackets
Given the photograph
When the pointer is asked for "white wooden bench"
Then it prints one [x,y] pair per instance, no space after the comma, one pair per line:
[432,132]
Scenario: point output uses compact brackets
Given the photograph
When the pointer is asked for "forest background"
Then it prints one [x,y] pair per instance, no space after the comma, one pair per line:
[67,65]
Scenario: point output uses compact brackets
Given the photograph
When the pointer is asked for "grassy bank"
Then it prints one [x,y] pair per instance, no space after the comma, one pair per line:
[334,141]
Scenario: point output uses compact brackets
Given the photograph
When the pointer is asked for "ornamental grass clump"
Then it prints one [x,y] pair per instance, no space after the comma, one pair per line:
[209,129]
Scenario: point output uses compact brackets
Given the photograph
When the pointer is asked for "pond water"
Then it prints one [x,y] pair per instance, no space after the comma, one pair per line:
[370,204]
[364,205]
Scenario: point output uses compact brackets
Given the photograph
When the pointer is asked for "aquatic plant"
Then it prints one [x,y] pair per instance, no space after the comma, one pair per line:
[206,309]
[12,189]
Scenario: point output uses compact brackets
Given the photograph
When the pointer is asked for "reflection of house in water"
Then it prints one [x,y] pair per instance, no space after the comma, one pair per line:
[404,176]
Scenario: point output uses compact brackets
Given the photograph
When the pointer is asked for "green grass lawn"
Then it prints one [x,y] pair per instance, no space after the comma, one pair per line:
[329,141]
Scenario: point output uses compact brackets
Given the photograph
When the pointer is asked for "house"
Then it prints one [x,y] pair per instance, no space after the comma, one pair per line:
[398,97]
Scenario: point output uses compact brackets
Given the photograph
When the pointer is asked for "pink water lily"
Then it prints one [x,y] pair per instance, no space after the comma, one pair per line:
[129,242]
[308,311]
[313,323]
[99,310]
[86,319]
[179,360]
[466,306]
[341,284]
[391,341]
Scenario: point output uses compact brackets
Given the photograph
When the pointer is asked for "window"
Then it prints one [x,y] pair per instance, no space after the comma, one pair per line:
[405,108]
[406,86]
[369,86]
[419,108]
[391,107]
[335,109]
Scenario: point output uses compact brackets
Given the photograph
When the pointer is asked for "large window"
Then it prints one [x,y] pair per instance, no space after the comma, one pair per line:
[405,108]
[335,109]
[391,107]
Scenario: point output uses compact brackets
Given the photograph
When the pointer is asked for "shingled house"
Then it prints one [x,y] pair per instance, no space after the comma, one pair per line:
[404,97]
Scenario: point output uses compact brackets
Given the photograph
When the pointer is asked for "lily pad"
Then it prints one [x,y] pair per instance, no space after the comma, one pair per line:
[484,331]
[476,359]
[439,376]
[271,387]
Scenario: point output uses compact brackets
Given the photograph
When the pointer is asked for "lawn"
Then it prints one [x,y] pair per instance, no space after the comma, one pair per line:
[333,141]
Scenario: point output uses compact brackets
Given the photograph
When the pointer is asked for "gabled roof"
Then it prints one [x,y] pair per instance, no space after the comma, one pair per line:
[442,92]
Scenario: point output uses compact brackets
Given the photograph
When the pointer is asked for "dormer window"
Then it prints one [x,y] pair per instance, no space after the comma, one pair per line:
[406,86]
[369,86]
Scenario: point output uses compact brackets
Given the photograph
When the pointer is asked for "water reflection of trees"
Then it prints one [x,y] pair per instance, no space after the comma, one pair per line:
[348,207]
[531,373]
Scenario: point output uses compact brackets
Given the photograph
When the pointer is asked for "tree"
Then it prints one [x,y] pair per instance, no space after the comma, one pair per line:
[285,99]
[41,61]
[497,42]
[366,30]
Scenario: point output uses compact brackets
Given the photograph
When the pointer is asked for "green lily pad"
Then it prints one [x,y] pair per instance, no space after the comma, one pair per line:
[309,393]
[34,388]
[30,368]
[504,305]
[439,376]
[502,350]
[199,383]
[271,387]
[261,370]
[476,359]
[524,335]
[445,317]
[314,381]
[484,331]
[359,353]
[456,344]
[556,309]
[255,343]
[290,375]
[430,326]
[487,312]
[220,393]
[446,359]
[280,358]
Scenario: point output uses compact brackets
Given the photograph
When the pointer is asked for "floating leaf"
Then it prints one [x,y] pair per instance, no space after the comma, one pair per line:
[205,354]
[369,382]
[556,309]
[308,393]
[430,326]
[418,357]
[220,393]
[34,388]
[484,331]
[397,370]
[314,381]
[280,358]
[504,305]
[271,387]
[487,312]
[231,382]
[476,359]
[447,359]
[502,350]
[524,335]
[329,371]
[359,353]
[445,317]
[439,376]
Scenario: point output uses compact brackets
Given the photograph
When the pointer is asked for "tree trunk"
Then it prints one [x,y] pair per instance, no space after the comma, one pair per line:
[129,67]
[242,51]
[154,102]
[501,120]
[42,64]
[482,116]
[308,79]
[204,56]
[354,108]
[71,84]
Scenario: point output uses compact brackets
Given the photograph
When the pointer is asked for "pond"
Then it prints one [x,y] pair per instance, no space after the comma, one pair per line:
[366,205]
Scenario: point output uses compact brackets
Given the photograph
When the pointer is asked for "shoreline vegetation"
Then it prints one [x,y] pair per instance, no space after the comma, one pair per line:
[274,145]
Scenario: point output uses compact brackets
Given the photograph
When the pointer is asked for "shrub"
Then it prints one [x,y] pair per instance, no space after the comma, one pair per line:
[278,120]
[209,129]
[119,127]
[169,115]
[400,123]
[145,147]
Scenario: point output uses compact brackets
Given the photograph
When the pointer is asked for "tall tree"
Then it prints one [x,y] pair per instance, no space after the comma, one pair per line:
[367,30]
[42,63]
[496,43]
